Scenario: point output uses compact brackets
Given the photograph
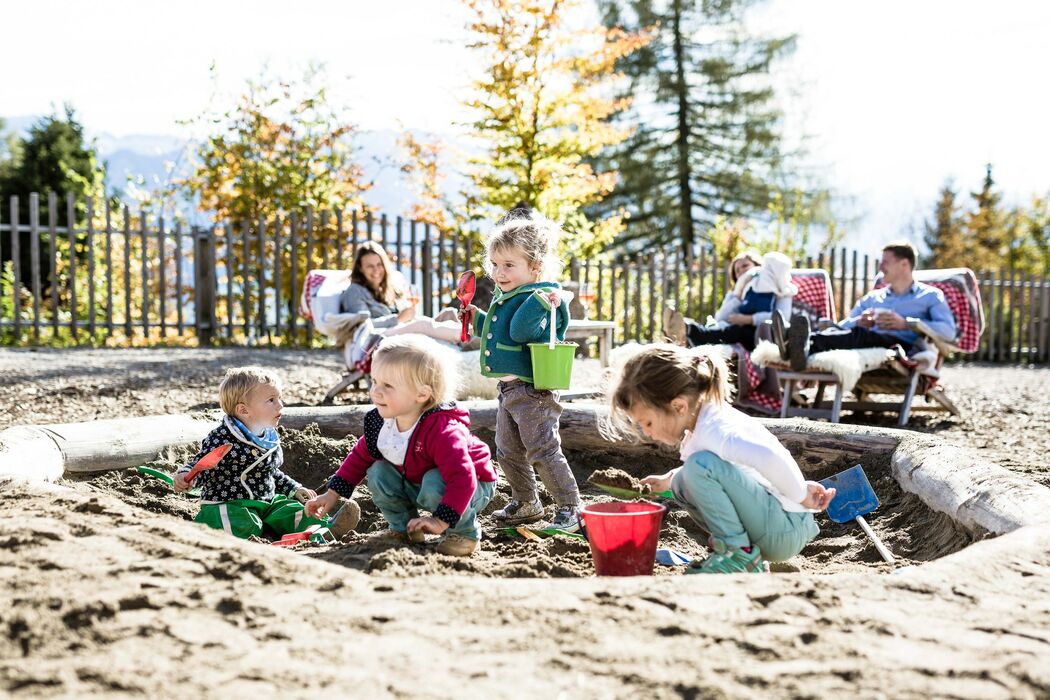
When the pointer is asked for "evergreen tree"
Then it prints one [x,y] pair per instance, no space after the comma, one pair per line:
[986,228]
[708,145]
[944,235]
[55,157]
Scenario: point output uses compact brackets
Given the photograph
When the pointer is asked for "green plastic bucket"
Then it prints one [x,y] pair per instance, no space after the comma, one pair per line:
[552,368]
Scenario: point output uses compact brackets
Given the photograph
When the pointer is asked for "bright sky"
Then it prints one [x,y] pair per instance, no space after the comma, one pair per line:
[897,95]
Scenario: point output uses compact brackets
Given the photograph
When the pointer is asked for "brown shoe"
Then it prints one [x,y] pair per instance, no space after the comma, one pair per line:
[346,519]
[456,545]
[674,326]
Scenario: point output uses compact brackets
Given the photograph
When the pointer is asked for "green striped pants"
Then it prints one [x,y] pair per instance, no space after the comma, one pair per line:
[245,517]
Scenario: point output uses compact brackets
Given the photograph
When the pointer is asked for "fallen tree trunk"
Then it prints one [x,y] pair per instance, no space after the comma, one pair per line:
[48,451]
[579,429]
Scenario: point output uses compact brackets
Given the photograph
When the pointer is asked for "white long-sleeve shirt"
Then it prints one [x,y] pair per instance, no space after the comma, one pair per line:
[744,442]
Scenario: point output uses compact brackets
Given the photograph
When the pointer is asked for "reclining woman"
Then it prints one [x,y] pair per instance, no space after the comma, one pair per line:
[378,291]
[761,285]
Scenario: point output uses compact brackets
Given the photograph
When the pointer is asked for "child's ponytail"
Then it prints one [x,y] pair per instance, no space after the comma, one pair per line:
[712,378]
[659,373]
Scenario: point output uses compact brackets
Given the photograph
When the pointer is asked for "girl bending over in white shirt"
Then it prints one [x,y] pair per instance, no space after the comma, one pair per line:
[736,480]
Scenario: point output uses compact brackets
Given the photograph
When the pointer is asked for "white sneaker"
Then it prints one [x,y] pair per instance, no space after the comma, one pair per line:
[567,518]
[518,513]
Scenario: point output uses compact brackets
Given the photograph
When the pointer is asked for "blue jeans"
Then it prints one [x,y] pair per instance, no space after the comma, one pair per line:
[399,499]
[738,510]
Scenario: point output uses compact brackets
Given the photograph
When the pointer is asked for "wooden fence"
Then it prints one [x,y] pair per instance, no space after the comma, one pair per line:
[132,278]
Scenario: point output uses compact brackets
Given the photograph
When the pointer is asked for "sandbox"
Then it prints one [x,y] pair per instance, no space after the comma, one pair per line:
[935,500]
[105,597]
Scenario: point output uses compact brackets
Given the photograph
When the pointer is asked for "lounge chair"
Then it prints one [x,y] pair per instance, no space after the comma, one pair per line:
[319,304]
[883,372]
[813,300]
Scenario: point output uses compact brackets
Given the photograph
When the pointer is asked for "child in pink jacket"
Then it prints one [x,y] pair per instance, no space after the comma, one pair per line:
[417,451]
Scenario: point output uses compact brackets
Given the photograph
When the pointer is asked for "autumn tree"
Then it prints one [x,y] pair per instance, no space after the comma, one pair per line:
[709,145]
[281,150]
[542,111]
[281,147]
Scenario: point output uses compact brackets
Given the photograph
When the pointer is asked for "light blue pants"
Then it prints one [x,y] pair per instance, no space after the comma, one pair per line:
[737,510]
[399,499]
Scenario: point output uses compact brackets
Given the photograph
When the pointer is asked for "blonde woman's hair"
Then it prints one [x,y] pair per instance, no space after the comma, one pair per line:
[239,382]
[532,234]
[389,291]
[660,373]
[422,363]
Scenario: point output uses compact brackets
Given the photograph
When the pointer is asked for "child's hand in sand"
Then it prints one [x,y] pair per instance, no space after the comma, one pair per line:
[427,524]
[818,496]
[303,494]
[179,483]
[659,482]
[319,506]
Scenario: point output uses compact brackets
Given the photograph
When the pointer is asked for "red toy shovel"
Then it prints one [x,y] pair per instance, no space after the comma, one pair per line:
[465,292]
[208,461]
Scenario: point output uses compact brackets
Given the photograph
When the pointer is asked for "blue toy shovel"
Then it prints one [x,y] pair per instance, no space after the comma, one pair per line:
[854,498]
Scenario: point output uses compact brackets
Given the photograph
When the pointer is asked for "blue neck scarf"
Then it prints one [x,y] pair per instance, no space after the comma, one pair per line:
[267,441]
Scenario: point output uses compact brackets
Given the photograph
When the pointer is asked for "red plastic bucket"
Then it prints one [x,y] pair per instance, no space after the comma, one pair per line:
[623,536]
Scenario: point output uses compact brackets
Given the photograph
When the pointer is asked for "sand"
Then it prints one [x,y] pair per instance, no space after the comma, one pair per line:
[911,530]
[110,591]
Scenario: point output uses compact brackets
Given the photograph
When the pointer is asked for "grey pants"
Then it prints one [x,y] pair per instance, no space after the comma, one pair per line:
[527,436]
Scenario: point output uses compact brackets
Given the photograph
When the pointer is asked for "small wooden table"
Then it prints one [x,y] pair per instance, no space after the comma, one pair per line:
[580,329]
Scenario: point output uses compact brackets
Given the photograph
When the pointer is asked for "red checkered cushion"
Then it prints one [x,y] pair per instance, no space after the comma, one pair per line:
[960,289]
[314,279]
[814,295]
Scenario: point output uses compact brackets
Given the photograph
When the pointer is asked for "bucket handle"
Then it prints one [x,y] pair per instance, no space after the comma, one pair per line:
[554,323]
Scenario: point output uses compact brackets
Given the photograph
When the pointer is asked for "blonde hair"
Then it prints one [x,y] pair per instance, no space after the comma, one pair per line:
[422,363]
[389,291]
[532,234]
[239,382]
[660,373]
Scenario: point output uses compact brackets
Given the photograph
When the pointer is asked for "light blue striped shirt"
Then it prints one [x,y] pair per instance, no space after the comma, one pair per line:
[921,301]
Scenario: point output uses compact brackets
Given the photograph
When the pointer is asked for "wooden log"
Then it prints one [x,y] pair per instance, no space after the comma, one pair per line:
[974,492]
[580,432]
[48,451]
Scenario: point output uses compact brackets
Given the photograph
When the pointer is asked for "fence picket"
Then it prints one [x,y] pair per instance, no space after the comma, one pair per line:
[260,233]
[109,271]
[293,258]
[34,259]
[89,251]
[178,278]
[16,265]
[277,258]
[52,228]
[144,262]
[162,269]
[245,280]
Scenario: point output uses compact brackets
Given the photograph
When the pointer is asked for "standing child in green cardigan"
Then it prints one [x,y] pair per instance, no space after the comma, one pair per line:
[520,251]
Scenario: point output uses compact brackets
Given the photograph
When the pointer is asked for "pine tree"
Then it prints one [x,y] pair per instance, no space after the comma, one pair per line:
[986,228]
[54,156]
[944,235]
[708,143]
